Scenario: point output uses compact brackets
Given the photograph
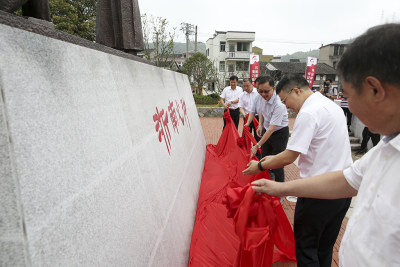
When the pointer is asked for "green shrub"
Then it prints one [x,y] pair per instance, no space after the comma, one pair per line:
[215,96]
[206,99]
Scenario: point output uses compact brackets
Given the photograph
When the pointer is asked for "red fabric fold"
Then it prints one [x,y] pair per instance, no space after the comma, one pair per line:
[247,138]
[234,226]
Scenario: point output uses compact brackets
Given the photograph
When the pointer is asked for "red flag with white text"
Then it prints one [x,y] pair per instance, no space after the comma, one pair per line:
[254,67]
[310,70]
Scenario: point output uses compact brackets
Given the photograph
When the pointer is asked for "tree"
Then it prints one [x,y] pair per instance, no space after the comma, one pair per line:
[200,69]
[221,81]
[75,17]
[158,41]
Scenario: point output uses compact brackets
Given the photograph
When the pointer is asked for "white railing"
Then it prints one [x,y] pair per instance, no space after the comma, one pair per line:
[237,54]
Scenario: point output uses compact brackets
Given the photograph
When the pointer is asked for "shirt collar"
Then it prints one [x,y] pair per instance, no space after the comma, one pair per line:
[272,99]
[393,139]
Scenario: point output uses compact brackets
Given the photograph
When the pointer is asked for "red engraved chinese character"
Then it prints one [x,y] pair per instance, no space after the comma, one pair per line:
[185,116]
[162,128]
[172,115]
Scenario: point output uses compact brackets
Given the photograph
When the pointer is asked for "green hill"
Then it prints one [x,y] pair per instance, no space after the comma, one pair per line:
[180,48]
[302,56]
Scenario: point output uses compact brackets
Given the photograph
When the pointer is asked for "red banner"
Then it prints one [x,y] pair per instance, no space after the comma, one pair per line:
[310,70]
[254,67]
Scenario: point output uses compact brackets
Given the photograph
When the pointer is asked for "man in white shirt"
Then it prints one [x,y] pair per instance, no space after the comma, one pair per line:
[230,99]
[247,100]
[321,140]
[274,125]
[370,72]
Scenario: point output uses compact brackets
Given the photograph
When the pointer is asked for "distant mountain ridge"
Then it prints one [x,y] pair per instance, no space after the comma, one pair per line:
[302,56]
[180,48]
[312,53]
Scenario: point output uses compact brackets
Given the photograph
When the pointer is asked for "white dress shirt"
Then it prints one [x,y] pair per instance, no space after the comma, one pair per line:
[320,135]
[372,236]
[274,113]
[231,95]
[246,100]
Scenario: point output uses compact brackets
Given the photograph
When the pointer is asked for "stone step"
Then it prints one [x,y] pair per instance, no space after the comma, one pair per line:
[355,147]
[354,139]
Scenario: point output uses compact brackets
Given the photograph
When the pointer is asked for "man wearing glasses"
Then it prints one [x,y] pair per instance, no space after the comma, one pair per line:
[273,126]
[321,139]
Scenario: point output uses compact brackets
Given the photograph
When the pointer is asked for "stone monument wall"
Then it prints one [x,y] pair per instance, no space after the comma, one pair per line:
[101,156]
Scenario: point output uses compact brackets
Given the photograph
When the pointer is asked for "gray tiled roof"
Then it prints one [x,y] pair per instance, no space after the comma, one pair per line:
[300,67]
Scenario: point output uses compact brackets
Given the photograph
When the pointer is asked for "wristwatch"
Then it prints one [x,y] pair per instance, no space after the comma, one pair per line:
[260,167]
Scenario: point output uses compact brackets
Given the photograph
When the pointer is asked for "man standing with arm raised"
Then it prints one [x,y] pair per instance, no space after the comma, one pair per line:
[321,139]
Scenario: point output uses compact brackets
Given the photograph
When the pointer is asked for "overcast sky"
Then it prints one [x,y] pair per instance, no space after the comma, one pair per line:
[281,26]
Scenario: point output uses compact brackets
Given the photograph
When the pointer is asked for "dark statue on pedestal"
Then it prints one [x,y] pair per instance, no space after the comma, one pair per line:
[119,25]
[30,8]
[118,22]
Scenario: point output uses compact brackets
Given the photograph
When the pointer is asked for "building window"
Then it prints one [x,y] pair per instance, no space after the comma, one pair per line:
[207,52]
[334,64]
[222,66]
[341,50]
[243,46]
[222,46]
[242,65]
[231,67]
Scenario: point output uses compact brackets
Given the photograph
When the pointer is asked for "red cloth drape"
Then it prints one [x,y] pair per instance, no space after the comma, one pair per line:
[247,138]
[234,226]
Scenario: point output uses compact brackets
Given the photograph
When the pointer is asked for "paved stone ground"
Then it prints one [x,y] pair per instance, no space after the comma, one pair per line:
[212,128]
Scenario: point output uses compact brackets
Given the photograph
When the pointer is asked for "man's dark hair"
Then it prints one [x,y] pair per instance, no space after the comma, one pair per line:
[375,53]
[234,78]
[257,79]
[290,81]
[247,80]
[266,79]
[329,80]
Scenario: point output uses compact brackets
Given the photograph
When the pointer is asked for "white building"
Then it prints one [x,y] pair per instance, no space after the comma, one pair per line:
[230,52]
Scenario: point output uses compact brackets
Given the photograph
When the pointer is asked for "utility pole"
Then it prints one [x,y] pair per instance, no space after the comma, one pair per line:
[195,39]
[188,30]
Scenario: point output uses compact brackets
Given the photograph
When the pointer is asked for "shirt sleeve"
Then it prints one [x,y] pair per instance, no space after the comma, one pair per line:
[302,134]
[354,174]
[239,93]
[240,100]
[278,115]
[223,95]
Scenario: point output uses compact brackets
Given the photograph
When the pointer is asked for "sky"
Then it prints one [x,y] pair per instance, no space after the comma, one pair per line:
[281,26]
